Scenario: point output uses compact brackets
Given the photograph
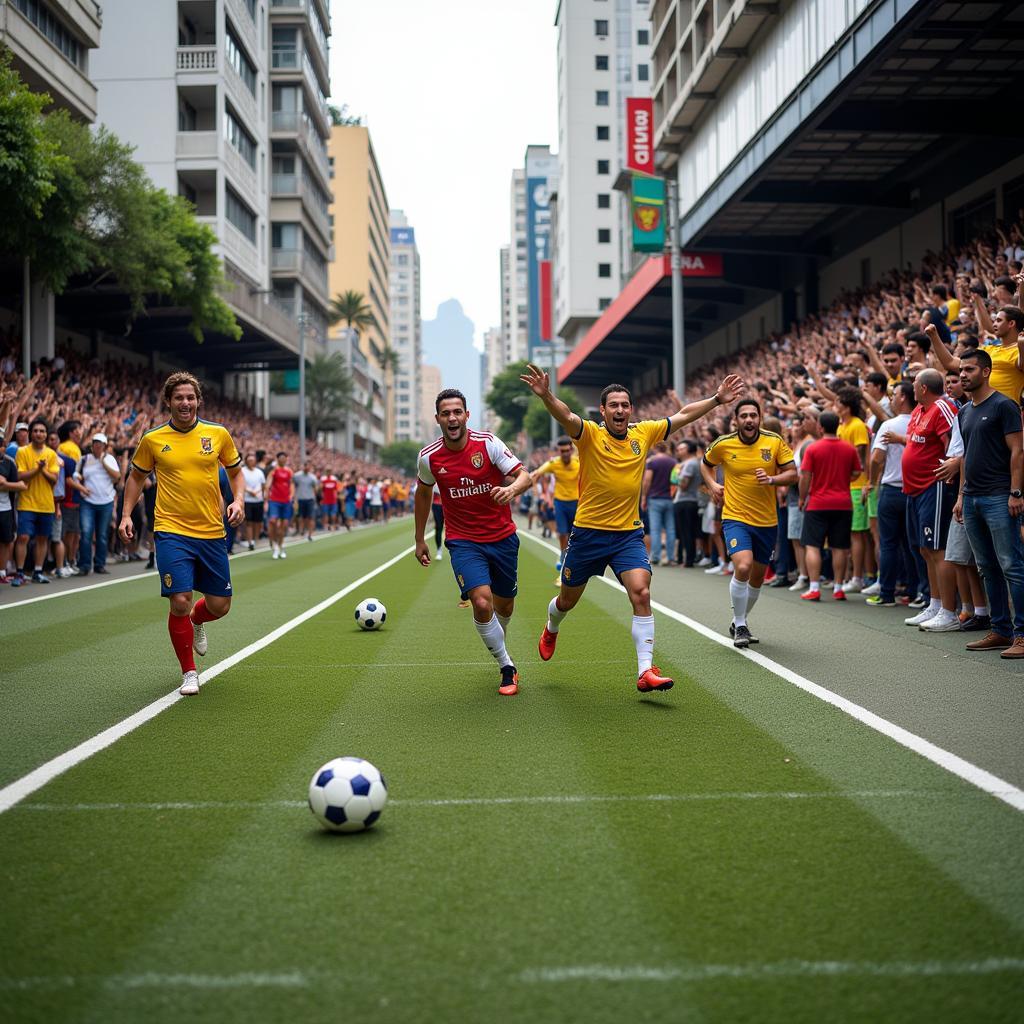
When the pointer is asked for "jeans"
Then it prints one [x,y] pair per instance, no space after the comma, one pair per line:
[999,552]
[780,564]
[896,559]
[95,520]
[662,516]
[687,517]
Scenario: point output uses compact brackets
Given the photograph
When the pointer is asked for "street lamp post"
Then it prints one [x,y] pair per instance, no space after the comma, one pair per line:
[303,319]
[676,266]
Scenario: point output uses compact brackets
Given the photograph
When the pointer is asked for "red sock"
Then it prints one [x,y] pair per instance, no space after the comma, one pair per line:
[180,628]
[201,614]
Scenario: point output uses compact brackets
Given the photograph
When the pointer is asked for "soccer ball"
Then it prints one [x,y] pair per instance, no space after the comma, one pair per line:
[347,794]
[370,614]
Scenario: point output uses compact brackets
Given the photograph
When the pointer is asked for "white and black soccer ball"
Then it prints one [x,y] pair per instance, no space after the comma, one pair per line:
[347,794]
[371,613]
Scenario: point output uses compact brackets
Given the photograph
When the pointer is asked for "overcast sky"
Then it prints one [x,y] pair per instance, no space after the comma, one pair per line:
[453,91]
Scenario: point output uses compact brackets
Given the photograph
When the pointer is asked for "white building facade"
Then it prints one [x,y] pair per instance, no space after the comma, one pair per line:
[516,340]
[406,329]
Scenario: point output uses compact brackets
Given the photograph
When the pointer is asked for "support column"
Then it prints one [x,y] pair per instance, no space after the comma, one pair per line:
[43,323]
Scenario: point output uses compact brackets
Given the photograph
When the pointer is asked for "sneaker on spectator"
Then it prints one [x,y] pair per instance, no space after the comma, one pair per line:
[18,579]
[715,570]
[854,585]
[40,577]
[703,563]
[64,572]
[874,590]
[4,579]
[944,622]
[976,623]
[876,601]
[769,574]
[918,602]
[920,617]
[801,584]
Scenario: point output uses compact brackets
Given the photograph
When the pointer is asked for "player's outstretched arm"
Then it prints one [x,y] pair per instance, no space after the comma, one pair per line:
[421,510]
[728,391]
[132,493]
[539,383]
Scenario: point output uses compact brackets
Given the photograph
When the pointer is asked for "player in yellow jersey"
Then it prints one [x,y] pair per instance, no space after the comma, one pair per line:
[607,530]
[187,453]
[566,471]
[754,462]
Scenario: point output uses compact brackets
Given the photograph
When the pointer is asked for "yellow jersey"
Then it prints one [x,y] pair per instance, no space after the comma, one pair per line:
[611,472]
[70,448]
[747,501]
[1007,378]
[38,497]
[855,430]
[187,464]
[567,478]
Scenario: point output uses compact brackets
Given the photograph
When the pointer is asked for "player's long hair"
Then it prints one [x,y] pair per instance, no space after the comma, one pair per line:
[176,380]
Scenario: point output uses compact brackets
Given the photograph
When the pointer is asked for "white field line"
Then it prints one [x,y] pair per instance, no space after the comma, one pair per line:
[28,784]
[499,801]
[151,574]
[967,771]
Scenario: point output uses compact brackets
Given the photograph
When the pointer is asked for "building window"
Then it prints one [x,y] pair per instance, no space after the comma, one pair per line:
[238,60]
[604,167]
[239,138]
[601,27]
[602,133]
[604,270]
[601,97]
[601,62]
[53,29]
[186,116]
[603,304]
[604,201]
[240,215]
[284,46]
[642,73]
[643,37]
[604,235]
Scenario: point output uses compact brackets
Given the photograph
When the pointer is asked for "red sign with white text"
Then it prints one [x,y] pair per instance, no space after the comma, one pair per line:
[702,264]
[640,134]
[546,301]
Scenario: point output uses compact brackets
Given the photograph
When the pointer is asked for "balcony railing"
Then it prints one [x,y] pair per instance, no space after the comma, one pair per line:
[197,58]
[284,184]
[295,261]
[197,145]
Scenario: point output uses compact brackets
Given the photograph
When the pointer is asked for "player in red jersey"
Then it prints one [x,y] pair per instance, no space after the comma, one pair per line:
[280,504]
[329,500]
[469,469]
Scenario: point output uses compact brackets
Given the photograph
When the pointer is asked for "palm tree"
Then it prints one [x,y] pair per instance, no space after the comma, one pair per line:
[352,308]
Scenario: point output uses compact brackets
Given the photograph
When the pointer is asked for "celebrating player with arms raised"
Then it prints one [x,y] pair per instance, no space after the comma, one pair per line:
[469,469]
[607,529]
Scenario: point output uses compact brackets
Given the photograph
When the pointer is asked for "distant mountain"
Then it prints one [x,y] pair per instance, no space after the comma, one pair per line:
[448,345]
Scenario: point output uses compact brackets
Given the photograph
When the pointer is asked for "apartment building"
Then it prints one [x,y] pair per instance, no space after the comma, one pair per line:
[406,328]
[493,364]
[516,342]
[430,387]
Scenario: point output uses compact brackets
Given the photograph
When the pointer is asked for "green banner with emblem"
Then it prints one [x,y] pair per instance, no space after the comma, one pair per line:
[647,206]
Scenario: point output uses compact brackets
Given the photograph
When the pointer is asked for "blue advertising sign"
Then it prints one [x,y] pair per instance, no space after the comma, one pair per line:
[538,248]
[403,236]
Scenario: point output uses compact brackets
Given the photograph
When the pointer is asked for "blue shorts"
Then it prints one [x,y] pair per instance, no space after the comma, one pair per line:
[279,510]
[329,509]
[928,516]
[760,540]
[486,565]
[35,524]
[350,509]
[192,563]
[307,508]
[565,513]
[589,552]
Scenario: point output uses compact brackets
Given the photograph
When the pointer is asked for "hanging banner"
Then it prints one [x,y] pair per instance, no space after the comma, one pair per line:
[640,134]
[647,205]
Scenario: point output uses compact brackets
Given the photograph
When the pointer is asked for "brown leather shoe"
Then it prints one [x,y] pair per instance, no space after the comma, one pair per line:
[1016,651]
[992,642]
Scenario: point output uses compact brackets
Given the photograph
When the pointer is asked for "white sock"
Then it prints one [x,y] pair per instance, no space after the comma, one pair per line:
[555,615]
[504,620]
[643,641]
[753,593]
[814,586]
[494,639]
[738,593]
[935,605]
[981,609]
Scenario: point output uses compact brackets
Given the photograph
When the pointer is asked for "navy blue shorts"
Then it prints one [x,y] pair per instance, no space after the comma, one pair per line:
[279,510]
[486,565]
[589,552]
[929,515]
[192,563]
[307,508]
[35,524]
[760,540]
[565,513]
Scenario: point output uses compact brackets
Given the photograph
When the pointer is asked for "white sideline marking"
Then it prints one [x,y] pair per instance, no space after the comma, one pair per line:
[497,801]
[951,762]
[21,788]
[151,979]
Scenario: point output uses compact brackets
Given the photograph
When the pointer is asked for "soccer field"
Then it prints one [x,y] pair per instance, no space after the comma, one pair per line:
[732,850]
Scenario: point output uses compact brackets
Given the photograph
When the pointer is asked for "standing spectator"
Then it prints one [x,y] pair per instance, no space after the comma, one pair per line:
[686,502]
[826,472]
[376,500]
[281,495]
[350,499]
[60,489]
[804,434]
[39,467]
[329,486]
[991,502]
[853,429]
[99,473]
[9,484]
[255,495]
[20,439]
[656,498]
[306,485]
[69,434]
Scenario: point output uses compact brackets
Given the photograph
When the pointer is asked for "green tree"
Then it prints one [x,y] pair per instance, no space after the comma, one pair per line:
[390,361]
[509,398]
[537,421]
[402,455]
[351,308]
[341,117]
[328,392]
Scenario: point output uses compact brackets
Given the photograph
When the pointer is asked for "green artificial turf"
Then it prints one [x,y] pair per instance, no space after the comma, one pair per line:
[732,850]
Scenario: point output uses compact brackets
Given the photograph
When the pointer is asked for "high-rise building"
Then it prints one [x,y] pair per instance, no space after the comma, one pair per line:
[430,386]
[541,170]
[603,58]
[518,292]
[506,307]
[49,42]
[493,363]
[406,328]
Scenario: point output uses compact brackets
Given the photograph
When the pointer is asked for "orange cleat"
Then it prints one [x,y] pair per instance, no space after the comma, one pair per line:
[509,681]
[839,595]
[811,595]
[546,645]
[652,679]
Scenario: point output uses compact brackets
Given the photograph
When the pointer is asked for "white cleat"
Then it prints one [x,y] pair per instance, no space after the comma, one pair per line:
[189,684]
[283,553]
[277,553]
[199,644]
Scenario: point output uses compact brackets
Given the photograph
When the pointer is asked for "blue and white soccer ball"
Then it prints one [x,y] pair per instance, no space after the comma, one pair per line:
[347,794]
[371,613]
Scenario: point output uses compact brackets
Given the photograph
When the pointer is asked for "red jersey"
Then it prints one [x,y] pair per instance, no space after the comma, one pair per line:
[464,480]
[329,489]
[280,484]
[928,434]
[833,463]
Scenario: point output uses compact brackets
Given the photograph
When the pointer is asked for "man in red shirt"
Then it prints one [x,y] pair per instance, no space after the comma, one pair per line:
[280,502]
[329,500]
[469,469]
[929,501]
[826,471]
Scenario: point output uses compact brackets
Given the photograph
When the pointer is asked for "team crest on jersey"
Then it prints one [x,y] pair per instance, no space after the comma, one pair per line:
[167,579]
[766,454]
[634,445]
[207,445]
[477,458]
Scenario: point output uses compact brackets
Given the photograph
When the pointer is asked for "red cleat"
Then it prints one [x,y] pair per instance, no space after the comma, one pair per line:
[652,679]
[839,595]
[811,595]
[509,681]
[546,645]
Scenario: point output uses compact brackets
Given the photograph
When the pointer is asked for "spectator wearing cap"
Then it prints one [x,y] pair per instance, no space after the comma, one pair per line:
[991,502]
[99,473]
[9,486]
[39,467]
[20,439]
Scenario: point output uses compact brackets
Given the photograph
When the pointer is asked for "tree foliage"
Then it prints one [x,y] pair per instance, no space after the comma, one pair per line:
[402,455]
[509,398]
[537,421]
[351,308]
[328,391]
